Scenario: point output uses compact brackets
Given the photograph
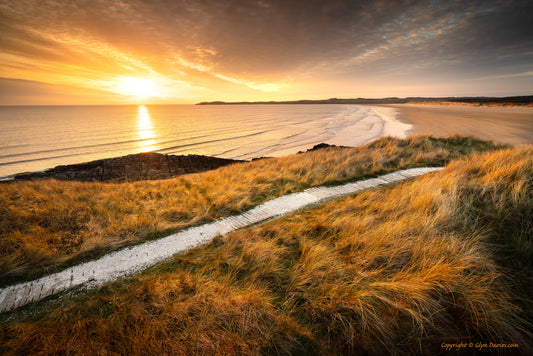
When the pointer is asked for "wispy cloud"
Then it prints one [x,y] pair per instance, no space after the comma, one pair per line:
[265,87]
[191,65]
[507,76]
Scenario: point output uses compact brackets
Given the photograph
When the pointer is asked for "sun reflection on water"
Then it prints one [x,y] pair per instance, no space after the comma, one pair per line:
[145,130]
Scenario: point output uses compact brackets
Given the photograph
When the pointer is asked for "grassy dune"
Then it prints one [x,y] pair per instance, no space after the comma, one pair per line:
[441,259]
[47,225]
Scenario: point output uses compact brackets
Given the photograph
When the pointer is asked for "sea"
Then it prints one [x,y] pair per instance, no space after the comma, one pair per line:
[34,138]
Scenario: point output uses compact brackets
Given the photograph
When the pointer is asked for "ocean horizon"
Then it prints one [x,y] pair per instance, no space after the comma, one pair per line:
[35,138]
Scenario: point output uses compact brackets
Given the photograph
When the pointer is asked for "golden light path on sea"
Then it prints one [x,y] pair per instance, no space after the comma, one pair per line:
[145,130]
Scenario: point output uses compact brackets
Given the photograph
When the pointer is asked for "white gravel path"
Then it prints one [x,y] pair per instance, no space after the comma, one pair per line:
[139,257]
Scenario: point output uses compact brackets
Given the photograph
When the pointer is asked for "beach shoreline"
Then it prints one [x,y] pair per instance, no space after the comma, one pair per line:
[378,121]
[357,125]
[509,125]
[233,132]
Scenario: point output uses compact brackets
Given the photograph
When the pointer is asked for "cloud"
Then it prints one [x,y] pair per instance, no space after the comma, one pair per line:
[262,45]
[265,87]
[21,92]
[506,76]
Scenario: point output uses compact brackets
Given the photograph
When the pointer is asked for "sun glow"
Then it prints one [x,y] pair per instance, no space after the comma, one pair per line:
[140,88]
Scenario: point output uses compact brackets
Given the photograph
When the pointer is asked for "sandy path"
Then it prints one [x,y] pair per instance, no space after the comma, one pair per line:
[136,258]
[503,125]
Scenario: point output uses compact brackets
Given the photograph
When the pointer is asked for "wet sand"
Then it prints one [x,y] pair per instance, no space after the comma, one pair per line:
[503,125]
[355,128]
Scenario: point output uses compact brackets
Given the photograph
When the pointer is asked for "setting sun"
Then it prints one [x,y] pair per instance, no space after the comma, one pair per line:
[136,87]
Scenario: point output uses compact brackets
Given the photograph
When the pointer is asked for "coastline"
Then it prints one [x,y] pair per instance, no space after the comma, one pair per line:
[382,121]
[357,125]
[231,132]
[379,121]
[500,124]
[507,101]
[280,131]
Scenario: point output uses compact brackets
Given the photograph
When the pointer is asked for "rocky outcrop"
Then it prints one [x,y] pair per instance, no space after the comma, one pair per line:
[321,146]
[141,166]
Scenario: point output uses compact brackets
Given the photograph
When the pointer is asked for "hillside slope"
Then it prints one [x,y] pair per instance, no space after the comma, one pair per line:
[48,225]
[407,269]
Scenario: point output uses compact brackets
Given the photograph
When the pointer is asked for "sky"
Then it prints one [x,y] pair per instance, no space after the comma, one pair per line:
[186,51]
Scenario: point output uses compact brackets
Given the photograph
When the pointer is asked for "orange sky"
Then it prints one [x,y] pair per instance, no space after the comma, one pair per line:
[116,52]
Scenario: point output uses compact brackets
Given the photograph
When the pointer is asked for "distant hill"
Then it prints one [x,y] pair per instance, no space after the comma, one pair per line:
[509,100]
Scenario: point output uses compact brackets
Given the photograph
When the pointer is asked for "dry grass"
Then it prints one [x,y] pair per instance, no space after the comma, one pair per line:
[47,225]
[398,270]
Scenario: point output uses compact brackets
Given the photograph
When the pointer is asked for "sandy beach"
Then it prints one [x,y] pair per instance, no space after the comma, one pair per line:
[354,125]
[504,125]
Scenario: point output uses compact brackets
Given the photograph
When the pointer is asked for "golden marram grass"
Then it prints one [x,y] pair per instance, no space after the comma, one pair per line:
[404,269]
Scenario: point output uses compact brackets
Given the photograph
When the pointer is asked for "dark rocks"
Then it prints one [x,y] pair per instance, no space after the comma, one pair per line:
[141,166]
[321,146]
[260,158]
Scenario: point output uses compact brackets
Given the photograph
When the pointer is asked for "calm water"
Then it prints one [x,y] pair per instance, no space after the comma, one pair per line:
[38,137]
